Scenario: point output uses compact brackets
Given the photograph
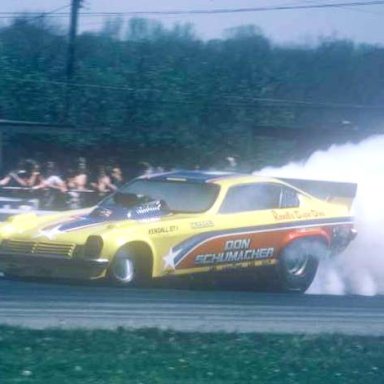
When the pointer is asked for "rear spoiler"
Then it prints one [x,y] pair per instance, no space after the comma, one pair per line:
[332,191]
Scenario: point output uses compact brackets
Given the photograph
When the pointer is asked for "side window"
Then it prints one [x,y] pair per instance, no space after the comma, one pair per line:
[289,198]
[251,197]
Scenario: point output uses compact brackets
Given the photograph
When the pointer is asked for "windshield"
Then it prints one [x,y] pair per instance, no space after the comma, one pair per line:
[179,196]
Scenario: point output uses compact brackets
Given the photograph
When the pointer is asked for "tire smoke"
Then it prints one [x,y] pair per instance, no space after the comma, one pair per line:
[360,268]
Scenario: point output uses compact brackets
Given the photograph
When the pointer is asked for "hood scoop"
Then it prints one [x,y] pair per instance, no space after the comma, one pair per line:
[129,208]
[156,208]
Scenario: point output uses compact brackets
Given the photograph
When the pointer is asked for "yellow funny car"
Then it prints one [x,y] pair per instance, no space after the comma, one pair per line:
[186,223]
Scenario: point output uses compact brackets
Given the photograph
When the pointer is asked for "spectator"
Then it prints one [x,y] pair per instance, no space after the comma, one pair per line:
[103,184]
[16,178]
[54,188]
[77,182]
[230,164]
[33,176]
[80,178]
[160,169]
[145,168]
[116,177]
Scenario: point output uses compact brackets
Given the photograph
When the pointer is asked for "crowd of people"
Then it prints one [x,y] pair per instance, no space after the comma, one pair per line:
[79,186]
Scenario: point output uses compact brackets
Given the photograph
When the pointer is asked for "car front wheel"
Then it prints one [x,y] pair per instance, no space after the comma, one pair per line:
[298,264]
[126,269]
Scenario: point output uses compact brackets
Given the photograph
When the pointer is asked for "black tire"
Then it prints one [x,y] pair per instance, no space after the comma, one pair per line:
[298,263]
[128,269]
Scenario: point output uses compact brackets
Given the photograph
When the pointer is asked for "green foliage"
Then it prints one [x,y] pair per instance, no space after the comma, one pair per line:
[146,89]
[153,356]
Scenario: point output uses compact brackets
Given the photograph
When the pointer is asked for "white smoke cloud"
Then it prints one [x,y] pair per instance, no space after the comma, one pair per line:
[360,268]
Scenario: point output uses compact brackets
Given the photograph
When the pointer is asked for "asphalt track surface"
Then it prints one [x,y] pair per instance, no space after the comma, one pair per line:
[46,304]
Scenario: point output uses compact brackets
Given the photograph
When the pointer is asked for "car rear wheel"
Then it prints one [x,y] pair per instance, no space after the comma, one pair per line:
[127,270]
[298,264]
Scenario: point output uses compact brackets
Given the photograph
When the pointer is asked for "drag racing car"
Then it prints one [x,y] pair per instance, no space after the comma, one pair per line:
[187,223]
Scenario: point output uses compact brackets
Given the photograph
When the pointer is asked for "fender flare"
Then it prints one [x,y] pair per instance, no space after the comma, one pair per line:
[313,233]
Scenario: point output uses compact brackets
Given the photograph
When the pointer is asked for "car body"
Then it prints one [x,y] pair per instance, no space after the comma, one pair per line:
[185,223]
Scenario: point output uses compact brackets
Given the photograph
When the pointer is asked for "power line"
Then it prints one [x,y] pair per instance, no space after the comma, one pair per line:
[41,14]
[243,10]
[56,10]
[353,9]
[210,11]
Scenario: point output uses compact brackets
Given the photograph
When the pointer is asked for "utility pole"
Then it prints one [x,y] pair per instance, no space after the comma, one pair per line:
[75,6]
[71,51]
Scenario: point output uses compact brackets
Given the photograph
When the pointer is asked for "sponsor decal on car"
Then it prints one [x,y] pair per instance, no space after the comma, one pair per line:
[162,230]
[297,215]
[235,251]
[201,224]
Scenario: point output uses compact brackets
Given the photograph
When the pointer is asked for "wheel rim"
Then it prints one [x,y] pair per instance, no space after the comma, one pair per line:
[296,263]
[123,269]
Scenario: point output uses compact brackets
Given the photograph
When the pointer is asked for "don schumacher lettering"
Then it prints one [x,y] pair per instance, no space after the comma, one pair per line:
[235,251]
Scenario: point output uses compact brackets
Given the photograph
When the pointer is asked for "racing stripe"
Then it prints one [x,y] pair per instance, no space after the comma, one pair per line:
[184,248]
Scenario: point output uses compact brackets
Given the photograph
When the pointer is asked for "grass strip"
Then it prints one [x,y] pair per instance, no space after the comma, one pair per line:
[152,356]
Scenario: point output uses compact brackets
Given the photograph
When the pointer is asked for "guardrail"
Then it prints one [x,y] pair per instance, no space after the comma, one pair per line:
[26,198]
[5,213]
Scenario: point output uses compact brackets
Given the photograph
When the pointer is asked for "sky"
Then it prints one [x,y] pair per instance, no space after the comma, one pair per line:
[362,24]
